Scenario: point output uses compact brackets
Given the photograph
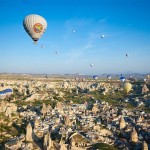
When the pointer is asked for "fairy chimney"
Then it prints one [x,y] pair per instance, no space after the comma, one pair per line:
[36,123]
[49,108]
[145,89]
[122,123]
[95,108]
[144,146]
[134,136]
[29,132]
[47,144]
[44,109]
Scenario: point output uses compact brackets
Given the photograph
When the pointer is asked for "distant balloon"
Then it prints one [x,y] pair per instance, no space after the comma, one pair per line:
[109,77]
[35,26]
[145,80]
[130,76]
[91,65]
[122,79]
[95,77]
[126,55]
[42,46]
[73,31]
[127,87]
[56,52]
[102,36]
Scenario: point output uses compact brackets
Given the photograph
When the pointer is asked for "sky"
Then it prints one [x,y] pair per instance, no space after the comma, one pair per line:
[125,25]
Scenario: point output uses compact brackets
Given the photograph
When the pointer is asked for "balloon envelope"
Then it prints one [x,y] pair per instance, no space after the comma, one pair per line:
[73,31]
[102,36]
[95,77]
[6,91]
[35,26]
[91,65]
[42,46]
[127,87]
[109,77]
[122,79]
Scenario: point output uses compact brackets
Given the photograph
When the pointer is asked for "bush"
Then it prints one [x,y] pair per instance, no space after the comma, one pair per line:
[103,146]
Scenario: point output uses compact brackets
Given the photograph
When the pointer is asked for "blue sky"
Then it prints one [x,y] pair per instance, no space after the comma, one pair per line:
[125,24]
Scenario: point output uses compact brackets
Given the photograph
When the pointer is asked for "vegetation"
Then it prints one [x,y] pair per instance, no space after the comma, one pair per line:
[103,146]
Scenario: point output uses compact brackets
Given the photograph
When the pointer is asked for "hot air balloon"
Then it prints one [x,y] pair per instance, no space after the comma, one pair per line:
[109,77]
[42,46]
[95,77]
[127,87]
[73,31]
[126,55]
[102,36]
[91,65]
[122,79]
[117,75]
[35,26]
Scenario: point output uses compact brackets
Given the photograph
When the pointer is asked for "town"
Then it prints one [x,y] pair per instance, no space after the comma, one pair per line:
[73,114]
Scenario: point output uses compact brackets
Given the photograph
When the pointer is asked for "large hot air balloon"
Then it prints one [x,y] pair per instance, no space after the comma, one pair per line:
[35,26]
[127,87]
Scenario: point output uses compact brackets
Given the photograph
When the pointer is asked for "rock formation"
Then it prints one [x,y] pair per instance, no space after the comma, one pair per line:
[58,106]
[134,136]
[47,144]
[95,108]
[8,112]
[144,146]
[8,108]
[44,109]
[2,106]
[122,123]
[36,123]
[29,133]
[62,144]
[49,108]
[144,89]
[67,121]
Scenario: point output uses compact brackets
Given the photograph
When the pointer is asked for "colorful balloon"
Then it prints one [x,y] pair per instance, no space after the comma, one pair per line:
[35,26]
